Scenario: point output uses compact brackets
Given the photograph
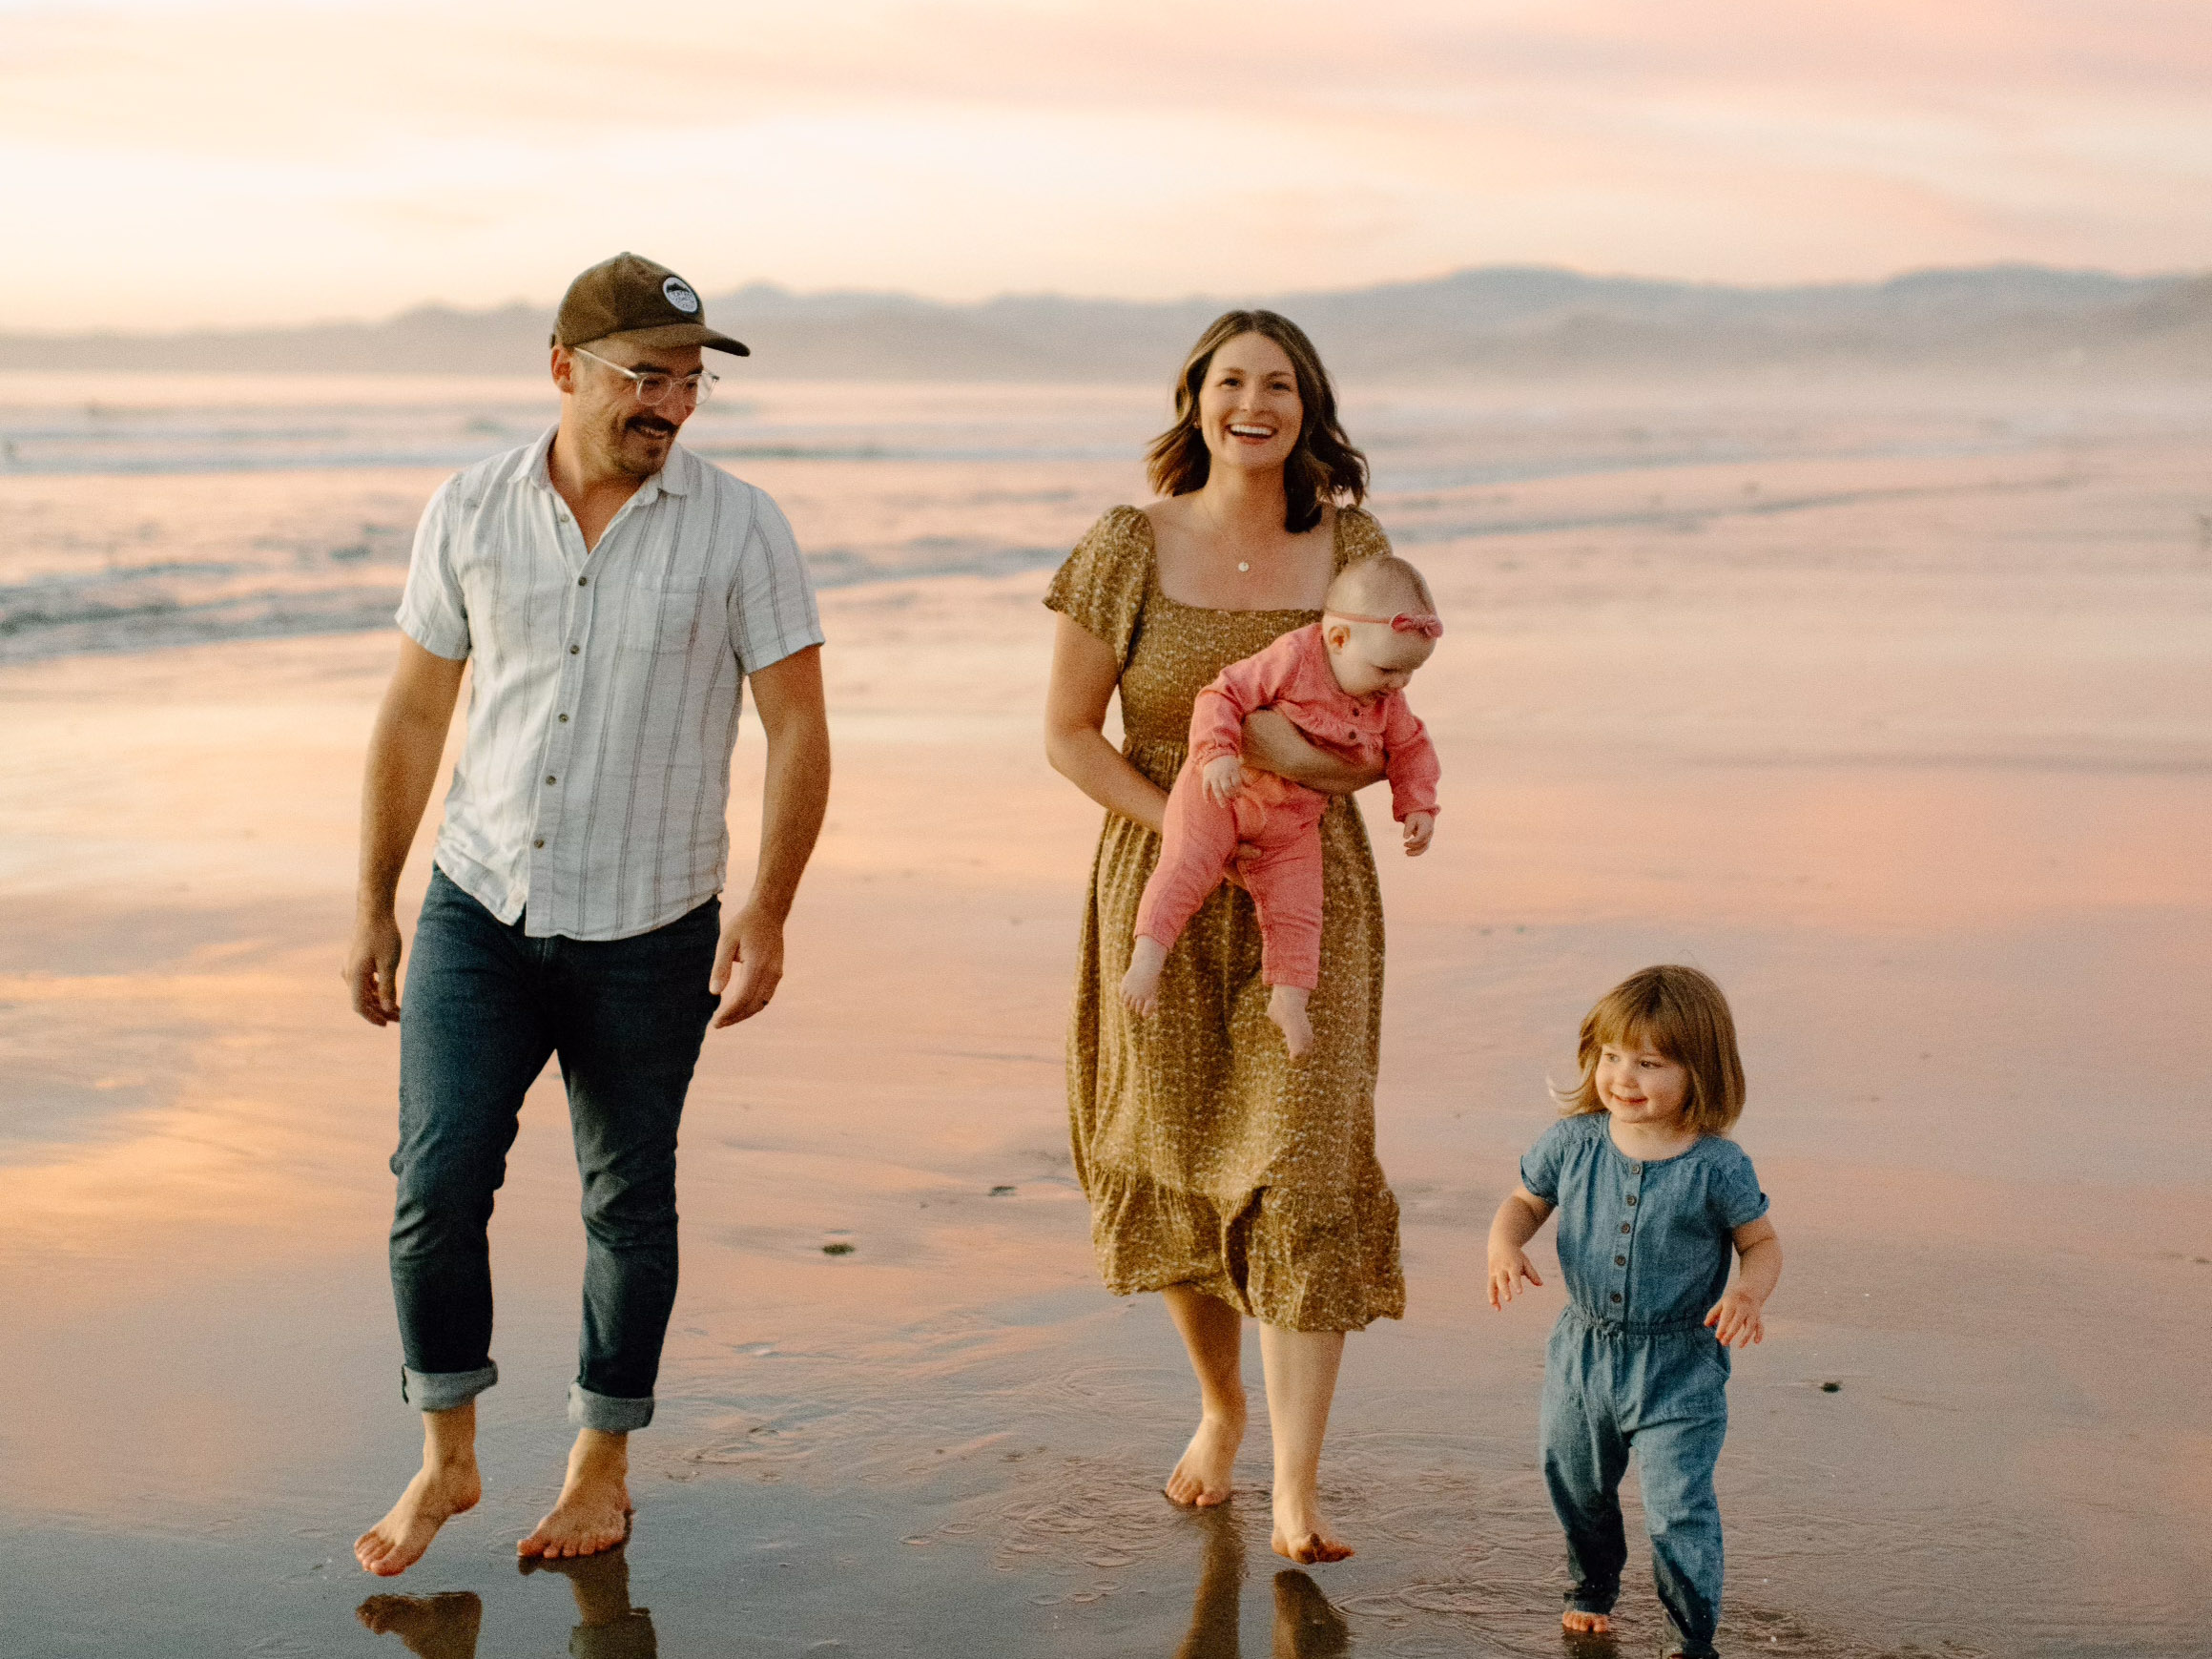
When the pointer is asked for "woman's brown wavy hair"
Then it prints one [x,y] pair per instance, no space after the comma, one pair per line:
[1324,466]
[1682,1014]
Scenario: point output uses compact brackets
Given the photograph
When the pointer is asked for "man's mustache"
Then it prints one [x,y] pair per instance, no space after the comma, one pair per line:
[651,426]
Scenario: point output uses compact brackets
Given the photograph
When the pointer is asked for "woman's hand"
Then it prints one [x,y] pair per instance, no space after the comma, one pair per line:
[1420,826]
[1224,778]
[1271,743]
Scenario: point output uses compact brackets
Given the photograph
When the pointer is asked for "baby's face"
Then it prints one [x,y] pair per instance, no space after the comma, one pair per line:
[1371,657]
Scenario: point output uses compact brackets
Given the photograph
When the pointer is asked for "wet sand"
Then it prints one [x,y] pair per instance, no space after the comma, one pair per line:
[1913,754]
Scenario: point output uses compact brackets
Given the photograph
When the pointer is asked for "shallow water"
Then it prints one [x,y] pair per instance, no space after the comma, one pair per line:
[1910,745]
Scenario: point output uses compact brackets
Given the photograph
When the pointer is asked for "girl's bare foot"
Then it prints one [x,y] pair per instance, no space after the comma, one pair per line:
[1287,1008]
[1141,985]
[1584,1624]
[1301,1535]
[593,1512]
[440,1489]
[1202,1478]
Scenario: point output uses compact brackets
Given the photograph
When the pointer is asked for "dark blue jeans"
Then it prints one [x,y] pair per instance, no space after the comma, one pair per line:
[485,1007]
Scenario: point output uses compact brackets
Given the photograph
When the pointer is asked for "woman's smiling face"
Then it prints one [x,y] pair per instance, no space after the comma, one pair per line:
[1248,409]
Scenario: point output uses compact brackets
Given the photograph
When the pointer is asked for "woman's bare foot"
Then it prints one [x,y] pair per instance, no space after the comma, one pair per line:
[1141,985]
[1202,1478]
[438,1627]
[1301,1535]
[1307,1626]
[593,1512]
[1583,1623]
[440,1491]
[1287,1008]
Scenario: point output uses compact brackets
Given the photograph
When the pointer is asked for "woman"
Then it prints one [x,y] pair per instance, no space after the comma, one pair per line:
[1220,1173]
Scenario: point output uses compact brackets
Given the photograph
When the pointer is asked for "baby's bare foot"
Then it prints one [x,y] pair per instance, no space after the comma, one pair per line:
[1287,1008]
[1584,1624]
[1141,985]
[1301,1535]
[593,1512]
[438,1492]
[438,1627]
[1202,1478]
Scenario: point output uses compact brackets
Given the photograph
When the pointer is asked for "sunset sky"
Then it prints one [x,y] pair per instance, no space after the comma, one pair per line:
[170,163]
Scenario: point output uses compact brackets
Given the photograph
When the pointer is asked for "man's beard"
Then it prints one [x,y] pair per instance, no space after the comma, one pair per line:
[647,427]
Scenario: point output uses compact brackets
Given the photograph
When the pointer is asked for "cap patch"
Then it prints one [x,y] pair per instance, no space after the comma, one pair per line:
[677,294]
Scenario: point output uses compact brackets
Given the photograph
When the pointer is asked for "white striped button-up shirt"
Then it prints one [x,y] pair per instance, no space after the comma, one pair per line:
[592,790]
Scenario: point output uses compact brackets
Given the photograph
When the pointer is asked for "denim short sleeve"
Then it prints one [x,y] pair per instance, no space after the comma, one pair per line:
[1735,1189]
[1540,1168]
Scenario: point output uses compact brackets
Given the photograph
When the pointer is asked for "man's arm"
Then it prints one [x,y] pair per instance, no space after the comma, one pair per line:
[403,752]
[788,696]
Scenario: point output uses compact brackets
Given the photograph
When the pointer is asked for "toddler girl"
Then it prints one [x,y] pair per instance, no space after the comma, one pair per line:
[1342,682]
[1651,1194]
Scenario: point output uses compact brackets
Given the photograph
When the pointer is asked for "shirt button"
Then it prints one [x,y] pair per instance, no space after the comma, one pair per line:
[583,581]
[1616,1295]
[551,779]
[574,649]
[1618,1262]
[563,718]
[1630,1200]
[539,842]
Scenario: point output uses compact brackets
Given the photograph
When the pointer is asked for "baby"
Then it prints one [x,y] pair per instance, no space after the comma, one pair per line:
[1342,682]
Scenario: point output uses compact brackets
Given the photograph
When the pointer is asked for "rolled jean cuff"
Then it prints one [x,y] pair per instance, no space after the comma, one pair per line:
[443,1390]
[606,1413]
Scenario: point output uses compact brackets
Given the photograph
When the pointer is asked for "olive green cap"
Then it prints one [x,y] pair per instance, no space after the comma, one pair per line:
[632,296]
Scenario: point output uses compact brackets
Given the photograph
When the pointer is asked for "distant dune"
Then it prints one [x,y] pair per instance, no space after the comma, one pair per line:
[1494,323]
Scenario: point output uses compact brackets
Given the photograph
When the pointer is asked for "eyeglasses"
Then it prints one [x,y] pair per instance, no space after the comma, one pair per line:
[652,386]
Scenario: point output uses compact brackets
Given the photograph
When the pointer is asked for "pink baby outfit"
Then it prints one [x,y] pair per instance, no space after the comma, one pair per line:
[1274,821]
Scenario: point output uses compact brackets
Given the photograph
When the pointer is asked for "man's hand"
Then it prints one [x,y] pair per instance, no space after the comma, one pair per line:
[372,968]
[1224,778]
[752,943]
[1736,1318]
[1420,826]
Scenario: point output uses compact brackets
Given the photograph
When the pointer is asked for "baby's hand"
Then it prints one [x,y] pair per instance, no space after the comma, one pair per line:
[1735,1320]
[1224,777]
[1507,1267]
[1419,827]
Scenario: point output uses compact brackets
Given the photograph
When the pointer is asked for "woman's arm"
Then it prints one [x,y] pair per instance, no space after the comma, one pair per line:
[1084,677]
[1271,743]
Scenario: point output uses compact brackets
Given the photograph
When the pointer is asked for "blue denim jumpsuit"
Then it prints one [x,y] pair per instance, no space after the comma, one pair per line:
[1645,1248]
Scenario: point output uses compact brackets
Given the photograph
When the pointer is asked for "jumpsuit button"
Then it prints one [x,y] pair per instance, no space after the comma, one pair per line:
[1616,1295]
[1627,1227]
[1636,1168]
[1631,1200]
[1618,1262]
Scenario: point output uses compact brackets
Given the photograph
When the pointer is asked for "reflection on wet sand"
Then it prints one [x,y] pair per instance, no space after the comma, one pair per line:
[447,1626]
[1306,1624]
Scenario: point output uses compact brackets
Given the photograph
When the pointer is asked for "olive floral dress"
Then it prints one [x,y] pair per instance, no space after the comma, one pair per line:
[1210,1159]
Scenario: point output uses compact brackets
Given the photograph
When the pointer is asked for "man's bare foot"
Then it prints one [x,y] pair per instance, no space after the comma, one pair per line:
[1141,985]
[593,1512]
[1287,1008]
[1301,1535]
[1583,1623]
[438,1627]
[1202,1478]
[439,1491]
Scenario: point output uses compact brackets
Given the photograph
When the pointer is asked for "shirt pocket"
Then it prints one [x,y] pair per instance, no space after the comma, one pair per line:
[662,617]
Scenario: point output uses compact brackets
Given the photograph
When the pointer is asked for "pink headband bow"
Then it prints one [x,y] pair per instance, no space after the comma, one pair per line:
[1404,622]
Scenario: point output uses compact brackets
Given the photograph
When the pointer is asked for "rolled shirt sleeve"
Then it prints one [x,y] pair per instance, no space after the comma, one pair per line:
[771,604]
[433,612]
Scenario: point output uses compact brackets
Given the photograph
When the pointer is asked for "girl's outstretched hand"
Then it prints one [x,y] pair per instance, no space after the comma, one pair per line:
[1737,1320]
[1507,1267]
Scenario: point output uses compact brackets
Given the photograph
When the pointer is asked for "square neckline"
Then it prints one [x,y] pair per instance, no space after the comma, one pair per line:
[1153,590]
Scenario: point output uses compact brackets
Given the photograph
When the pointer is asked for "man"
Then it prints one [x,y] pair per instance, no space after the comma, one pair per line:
[613,592]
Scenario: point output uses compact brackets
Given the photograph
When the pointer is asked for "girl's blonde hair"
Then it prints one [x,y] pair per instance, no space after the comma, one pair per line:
[1682,1014]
